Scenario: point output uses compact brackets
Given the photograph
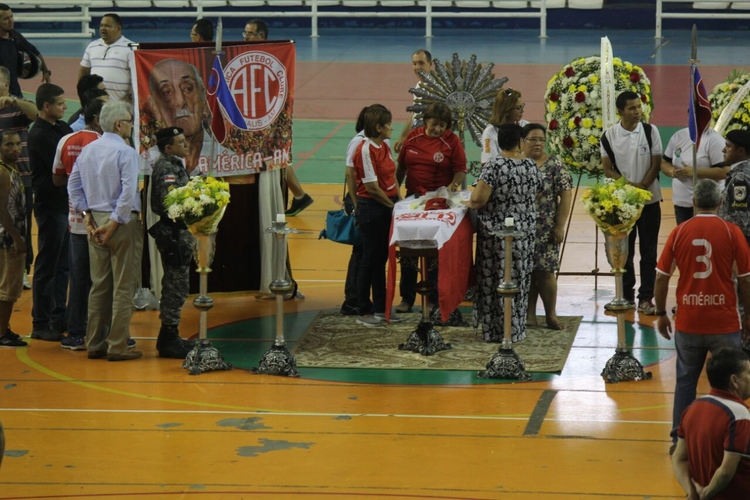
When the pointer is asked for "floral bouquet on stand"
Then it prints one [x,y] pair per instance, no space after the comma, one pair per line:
[574,109]
[722,98]
[200,204]
[615,205]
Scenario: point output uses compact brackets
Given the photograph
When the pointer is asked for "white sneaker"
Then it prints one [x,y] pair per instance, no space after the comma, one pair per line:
[395,318]
[26,283]
[374,320]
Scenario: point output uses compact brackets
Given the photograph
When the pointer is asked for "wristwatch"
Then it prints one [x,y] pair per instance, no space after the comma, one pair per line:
[660,313]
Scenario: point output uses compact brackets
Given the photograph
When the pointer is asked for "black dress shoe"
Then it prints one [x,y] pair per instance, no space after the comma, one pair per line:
[47,335]
[97,354]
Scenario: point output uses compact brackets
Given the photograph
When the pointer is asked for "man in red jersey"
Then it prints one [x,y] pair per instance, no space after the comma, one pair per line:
[706,249]
[68,150]
[712,459]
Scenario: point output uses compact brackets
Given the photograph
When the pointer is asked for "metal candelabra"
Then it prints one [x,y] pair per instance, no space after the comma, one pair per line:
[425,339]
[204,357]
[622,366]
[279,360]
[506,363]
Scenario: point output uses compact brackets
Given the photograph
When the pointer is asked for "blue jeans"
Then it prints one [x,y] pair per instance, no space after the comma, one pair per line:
[80,285]
[692,349]
[374,221]
[50,269]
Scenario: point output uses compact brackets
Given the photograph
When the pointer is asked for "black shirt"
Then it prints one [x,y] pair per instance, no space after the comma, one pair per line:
[9,57]
[43,139]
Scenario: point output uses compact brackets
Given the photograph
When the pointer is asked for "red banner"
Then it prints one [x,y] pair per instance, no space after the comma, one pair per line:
[176,88]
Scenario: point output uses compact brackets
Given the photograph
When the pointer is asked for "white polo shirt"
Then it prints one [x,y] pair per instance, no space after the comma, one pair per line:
[111,62]
[632,154]
[679,152]
[490,149]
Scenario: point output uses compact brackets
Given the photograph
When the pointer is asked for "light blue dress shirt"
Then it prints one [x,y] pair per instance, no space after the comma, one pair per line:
[105,179]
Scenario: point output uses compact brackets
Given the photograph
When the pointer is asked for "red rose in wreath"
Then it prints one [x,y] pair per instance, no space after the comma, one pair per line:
[570,71]
[580,96]
[568,142]
[635,77]
[553,125]
[554,97]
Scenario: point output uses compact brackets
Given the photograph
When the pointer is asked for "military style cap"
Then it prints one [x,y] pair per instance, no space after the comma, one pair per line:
[165,134]
[740,138]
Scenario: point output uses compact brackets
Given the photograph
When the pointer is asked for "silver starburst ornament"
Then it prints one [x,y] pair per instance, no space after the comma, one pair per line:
[467,88]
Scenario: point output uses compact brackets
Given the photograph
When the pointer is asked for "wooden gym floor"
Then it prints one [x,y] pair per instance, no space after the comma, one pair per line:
[79,428]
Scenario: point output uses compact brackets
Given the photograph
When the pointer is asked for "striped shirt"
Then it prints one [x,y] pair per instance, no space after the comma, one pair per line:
[111,62]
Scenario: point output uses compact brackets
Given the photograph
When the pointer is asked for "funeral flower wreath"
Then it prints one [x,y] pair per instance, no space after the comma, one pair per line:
[574,109]
[721,96]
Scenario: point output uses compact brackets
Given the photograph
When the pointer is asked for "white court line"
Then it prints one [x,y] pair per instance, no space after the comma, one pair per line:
[315,414]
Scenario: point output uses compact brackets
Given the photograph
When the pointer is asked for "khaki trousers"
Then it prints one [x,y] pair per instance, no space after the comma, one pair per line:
[115,269]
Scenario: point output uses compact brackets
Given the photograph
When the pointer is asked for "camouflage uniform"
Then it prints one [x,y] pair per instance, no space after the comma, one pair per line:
[174,241]
[735,198]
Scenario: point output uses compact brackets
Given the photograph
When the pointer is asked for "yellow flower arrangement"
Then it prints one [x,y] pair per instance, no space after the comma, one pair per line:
[200,204]
[615,205]
[721,96]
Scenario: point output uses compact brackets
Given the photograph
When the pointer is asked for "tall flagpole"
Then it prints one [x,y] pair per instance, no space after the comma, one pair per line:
[693,61]
[217,52]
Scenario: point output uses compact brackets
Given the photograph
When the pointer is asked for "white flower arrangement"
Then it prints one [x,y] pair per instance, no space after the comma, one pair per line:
[200,204]
[723,93]
[574,109]
[615,205]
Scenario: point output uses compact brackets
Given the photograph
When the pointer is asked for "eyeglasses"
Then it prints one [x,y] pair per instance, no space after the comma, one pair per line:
[538,140]
[250,34]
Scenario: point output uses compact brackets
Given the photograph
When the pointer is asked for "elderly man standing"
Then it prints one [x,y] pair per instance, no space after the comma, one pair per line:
[174,241]
[109,58]
[706,250]
[711,459]
[111,207]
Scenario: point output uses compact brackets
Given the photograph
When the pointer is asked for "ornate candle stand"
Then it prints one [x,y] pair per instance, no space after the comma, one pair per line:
[507,363]
[279,360]
[425,339]
[204,357]
[622,366]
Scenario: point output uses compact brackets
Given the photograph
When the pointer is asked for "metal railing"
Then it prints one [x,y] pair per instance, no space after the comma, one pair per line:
[721,5]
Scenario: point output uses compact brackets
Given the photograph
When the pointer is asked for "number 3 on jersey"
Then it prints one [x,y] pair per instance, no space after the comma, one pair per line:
[704,259]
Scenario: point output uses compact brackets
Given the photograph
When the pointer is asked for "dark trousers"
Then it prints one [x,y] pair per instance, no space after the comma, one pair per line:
[80,285]
[29,192]
[682,214]
[352,272]
[647,230]
[374,220]
[50,269]
[410,274]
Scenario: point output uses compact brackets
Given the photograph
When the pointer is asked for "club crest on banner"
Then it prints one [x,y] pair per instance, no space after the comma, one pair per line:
[259,83]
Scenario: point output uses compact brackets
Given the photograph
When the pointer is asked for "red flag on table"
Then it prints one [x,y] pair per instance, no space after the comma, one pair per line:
[222,103]
[700,109]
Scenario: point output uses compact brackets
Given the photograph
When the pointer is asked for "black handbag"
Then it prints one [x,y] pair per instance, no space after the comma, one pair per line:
[340,224]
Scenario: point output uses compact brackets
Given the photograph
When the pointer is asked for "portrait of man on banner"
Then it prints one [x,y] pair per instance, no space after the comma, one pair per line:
[244,106]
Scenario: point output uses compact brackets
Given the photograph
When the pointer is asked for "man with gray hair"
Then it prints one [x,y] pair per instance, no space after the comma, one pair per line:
[111,207]
[705,249]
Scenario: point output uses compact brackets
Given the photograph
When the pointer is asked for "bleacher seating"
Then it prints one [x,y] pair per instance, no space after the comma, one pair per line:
[47,11]
[710,9]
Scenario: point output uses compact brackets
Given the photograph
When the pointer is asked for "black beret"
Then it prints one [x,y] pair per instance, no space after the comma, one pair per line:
[165,134]
[739,138]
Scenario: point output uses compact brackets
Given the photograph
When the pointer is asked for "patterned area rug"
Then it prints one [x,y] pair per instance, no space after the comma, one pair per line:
[336,341]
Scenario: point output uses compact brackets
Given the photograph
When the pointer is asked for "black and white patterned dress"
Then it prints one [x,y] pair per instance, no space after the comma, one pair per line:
[514,185]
